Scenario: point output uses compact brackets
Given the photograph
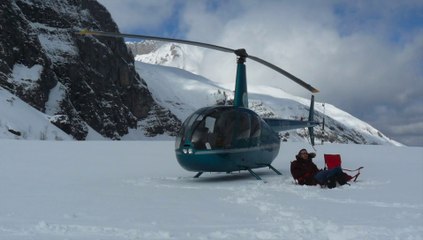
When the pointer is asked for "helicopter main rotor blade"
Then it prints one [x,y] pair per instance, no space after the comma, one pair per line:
[285,73]
[239,52]
[198,44]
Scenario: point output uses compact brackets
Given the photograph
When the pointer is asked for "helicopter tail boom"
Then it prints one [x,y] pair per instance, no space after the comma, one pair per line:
[279,125]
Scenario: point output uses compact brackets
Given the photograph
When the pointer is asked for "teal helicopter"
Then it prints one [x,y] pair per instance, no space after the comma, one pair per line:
[230,138]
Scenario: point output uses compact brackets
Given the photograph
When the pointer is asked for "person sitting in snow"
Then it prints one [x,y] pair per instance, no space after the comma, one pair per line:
[305,172]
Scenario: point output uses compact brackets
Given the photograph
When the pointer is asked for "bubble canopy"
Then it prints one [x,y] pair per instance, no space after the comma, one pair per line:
[224,130]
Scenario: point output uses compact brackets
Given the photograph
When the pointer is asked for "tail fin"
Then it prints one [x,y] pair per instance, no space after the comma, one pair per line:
[311,119]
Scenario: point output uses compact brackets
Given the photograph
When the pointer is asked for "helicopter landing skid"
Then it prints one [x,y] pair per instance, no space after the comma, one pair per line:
[198,174]
[274,169]
[249,170]
[254,174]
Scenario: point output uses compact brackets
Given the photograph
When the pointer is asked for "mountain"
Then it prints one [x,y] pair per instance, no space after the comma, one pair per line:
[190,91]
[80,83]
[167,54]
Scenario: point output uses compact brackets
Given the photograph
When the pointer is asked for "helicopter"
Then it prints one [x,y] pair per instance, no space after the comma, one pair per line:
[233,137]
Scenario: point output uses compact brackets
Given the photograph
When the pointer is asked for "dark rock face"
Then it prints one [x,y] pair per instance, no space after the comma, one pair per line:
[79,80]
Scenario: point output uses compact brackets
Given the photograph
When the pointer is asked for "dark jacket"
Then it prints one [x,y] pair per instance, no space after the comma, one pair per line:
[304,170]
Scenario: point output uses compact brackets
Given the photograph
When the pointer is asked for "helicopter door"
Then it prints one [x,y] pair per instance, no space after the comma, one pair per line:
[224,130]
[255,131]
[202,137]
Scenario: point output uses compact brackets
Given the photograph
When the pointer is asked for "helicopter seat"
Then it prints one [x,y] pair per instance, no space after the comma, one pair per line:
[199,138]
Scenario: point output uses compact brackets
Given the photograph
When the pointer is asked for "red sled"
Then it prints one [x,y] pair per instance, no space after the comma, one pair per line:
[334,160]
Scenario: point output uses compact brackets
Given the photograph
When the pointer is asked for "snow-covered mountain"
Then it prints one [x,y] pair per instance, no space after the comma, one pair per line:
[167,54]
[80,82]
[55,83]
[183,91]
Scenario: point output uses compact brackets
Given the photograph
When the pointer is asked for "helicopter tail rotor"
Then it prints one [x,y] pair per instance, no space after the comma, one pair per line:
[311,119]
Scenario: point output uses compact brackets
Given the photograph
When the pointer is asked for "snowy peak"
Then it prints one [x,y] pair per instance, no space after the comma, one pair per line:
[168,54]
[144,47]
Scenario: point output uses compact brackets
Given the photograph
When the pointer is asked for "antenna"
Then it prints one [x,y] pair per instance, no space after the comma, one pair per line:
[323,126]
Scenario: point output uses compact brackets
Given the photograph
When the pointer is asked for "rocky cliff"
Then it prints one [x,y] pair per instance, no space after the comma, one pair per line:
[78,81]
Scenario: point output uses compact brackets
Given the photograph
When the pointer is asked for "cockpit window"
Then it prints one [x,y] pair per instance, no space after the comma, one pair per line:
[255,127]
[225,124]
[221,128]
[215,130]
[186,127]
[202,135]
[243,126]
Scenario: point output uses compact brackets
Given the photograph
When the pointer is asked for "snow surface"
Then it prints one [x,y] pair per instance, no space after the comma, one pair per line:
[18,120]
[136,190]
[26,76]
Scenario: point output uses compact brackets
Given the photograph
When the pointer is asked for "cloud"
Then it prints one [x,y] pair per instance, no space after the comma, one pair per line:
[361,56]
[345,50]
[148,15]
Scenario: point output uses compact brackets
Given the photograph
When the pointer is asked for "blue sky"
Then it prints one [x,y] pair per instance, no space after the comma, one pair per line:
[366,57]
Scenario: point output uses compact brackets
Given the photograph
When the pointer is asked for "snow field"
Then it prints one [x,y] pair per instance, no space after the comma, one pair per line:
[136,190]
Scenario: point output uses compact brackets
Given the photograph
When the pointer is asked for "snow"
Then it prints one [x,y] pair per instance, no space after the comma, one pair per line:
[136,190]
[59,47]
[174,55]
[57,93]
[27,122]
[57,42]
[26,76]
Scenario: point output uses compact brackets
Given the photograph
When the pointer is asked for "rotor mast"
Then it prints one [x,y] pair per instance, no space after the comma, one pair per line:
[241,94]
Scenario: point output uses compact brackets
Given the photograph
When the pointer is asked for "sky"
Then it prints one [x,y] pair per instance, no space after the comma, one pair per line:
[365,57]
